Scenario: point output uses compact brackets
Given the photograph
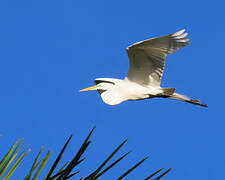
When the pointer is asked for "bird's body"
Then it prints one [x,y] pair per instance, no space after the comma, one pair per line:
[147,59]
[118,92]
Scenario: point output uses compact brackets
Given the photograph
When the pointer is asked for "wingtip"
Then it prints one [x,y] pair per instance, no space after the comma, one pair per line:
[178,32]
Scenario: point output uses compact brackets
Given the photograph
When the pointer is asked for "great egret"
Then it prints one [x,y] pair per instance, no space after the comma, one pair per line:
[147,59]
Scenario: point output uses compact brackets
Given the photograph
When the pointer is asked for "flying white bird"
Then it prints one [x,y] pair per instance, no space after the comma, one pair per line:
[147,60]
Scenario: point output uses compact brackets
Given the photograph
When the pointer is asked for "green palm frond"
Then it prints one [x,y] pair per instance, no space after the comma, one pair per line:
[7,163]
[35,164]
[10,162]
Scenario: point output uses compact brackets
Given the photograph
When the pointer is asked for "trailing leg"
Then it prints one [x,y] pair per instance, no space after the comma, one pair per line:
[186,99]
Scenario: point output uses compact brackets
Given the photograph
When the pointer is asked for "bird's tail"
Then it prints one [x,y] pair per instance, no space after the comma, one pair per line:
[186,99]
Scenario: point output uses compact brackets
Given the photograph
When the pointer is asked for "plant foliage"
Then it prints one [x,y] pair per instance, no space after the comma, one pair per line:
[11,160]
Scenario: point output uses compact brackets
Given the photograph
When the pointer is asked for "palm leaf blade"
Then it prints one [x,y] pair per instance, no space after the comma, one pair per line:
[15,164]
[43,162]
[153,174]
[131,169]
[161,175]
[57,159]
[10,157]
[34,165]
[111,165]
[107,159]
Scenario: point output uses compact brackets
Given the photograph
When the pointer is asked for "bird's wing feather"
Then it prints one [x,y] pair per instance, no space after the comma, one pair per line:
[147,58]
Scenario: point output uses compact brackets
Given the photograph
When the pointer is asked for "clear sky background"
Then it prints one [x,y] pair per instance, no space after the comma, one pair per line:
[50,49]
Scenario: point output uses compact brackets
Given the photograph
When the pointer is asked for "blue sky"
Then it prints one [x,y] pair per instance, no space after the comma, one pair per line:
[51,49]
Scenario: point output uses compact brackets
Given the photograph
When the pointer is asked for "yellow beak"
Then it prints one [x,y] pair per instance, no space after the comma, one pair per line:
[89,88]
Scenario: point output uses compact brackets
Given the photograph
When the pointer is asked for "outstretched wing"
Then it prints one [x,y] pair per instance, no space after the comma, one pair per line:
[147,58]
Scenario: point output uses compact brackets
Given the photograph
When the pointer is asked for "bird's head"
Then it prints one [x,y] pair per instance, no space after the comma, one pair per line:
[102,84]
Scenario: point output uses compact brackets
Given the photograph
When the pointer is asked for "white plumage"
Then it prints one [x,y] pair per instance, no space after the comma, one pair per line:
[147,60]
